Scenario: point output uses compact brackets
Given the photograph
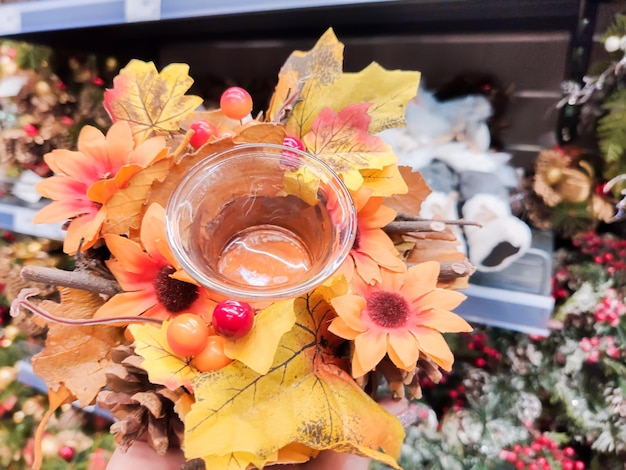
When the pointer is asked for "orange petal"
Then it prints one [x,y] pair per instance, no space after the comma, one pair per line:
[85,228]
[379,247]
[149,151]
[153,235]
[370,347]
[130,281]
[349,307]
[443,320]
[127,304]
[405,349]
[433,344]
[129,254]
[420,279]
[366,268]
[62,188]
[120,144]
[340,328]
[59,211]
[74,164]
[445,299]
[375,215]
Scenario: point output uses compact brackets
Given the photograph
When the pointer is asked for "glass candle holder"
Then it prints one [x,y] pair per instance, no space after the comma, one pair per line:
[261,222]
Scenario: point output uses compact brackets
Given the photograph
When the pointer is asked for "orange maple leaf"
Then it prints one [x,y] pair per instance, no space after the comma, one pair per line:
[74,353]
[306,398]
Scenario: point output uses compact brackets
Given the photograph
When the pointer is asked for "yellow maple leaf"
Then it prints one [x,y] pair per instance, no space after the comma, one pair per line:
[73,353]
[152,102]
[307,397]
[385,182]
[318,67]
[341,140]
[163,366]
[393,89]
[258,348]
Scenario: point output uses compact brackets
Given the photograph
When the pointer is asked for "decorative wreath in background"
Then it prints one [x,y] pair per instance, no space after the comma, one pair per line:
[308,368]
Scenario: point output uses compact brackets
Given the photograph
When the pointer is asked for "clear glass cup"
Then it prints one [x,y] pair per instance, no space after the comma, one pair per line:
[261,222]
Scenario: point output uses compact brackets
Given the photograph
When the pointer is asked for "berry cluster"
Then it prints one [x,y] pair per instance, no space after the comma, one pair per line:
[605,250]
[235,103]
[610,309]
[478,343]
[188,335]
[542,454]
[593,347]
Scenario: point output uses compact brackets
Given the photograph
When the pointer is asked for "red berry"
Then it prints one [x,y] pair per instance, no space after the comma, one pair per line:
[187,334]
[236,103]
[233,319]
[67,453]
[30,130]
[203,130]
[288,158]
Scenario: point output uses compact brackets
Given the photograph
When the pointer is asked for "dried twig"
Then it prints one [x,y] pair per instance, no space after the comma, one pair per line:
[77,279]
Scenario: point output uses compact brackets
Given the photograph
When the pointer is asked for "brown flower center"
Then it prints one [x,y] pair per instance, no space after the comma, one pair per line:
[355,245]
[175,295]
[388,309]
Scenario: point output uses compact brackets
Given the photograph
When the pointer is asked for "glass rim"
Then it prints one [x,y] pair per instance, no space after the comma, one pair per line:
[257,293]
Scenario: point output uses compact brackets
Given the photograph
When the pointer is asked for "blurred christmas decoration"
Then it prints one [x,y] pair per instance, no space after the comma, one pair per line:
[514,401]
[75,439]
[42,106]
[564,195]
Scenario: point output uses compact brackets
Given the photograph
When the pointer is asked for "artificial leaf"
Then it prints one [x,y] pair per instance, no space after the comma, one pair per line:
[124,208]
[163,366]
[410,202]
[73,353]
[152,102]
[342,141]
[305,398]
[258,348]
[388,98]
[316,68]
[385,182]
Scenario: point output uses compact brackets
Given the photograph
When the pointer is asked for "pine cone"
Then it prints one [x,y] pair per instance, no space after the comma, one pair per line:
[142,409]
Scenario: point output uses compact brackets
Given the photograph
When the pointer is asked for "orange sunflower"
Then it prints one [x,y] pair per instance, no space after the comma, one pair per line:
[153,283]
[372,248]
[87,178]
[403,316]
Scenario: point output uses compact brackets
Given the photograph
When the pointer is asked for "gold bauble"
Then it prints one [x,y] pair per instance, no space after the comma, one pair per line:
[42,87]
[50,445]
[8,375]
[111,64]
[553,175]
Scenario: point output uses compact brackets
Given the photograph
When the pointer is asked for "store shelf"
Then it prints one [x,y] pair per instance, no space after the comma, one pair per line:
[105,26]
[53,15]
[18,217]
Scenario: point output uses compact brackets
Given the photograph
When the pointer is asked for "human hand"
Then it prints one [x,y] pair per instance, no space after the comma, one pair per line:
[140,455]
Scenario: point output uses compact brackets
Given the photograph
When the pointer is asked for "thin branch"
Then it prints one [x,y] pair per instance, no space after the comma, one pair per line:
[423,225]
[453,270]
[76,279]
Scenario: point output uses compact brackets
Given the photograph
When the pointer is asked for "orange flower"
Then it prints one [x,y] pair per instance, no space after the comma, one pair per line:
[153,284]
[372,247]
[87,178]
[403,316]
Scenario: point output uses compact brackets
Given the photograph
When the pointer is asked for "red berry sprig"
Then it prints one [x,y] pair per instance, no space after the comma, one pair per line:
[540,455]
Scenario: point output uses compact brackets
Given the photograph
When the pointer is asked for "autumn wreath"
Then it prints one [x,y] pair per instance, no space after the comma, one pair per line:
[308,368]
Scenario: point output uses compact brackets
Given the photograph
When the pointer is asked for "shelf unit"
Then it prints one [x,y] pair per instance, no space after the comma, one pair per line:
[213,35]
